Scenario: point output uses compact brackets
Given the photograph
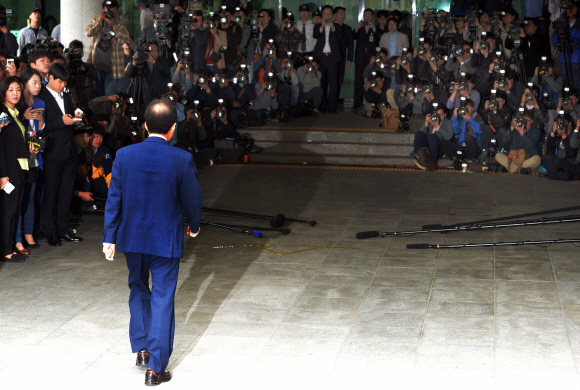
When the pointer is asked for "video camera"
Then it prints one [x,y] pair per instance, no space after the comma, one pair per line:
[74,59]
[430,18]
[141,54]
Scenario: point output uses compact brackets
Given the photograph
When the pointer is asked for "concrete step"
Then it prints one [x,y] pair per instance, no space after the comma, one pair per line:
[306,134]
[335,148]
[329,159]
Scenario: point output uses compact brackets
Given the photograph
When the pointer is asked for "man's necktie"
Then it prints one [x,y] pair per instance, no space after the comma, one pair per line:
[303,45]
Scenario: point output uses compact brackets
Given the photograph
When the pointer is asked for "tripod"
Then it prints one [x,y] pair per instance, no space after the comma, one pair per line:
[516,62]
[140,92]
[564,48]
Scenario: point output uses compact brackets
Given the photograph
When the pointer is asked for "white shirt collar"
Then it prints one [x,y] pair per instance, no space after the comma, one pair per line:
[158,135]
[54,93]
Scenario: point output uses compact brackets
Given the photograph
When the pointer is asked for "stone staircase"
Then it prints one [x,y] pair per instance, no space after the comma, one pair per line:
[337,139]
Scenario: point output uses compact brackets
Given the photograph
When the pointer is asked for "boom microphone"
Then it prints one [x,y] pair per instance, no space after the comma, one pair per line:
[363,235]
[418,246]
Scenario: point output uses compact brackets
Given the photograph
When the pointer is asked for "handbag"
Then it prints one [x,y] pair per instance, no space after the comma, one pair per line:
[215,56]
[518,157]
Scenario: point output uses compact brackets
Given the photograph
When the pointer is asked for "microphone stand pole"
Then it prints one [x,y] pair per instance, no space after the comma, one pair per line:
[428,227]
[513,243]
[529,222]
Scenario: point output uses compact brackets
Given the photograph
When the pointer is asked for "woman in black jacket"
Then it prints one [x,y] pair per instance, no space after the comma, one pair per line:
[14,158]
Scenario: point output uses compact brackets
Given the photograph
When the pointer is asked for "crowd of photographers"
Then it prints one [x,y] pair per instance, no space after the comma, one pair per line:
[482,86]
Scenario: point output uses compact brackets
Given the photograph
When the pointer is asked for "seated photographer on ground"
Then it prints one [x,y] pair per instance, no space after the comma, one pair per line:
[182,75]
[497,116]
[191,134]
[420,62]
[548,81]
[100,162]
[436,75]
[218,127]
[310,85]
[562,143]
[378,66]
[244,91]
[205,91]
[467,125]
[459,60]
[84,74]
[531,103]
[266,63]
[521,140]
[437,127]
[464,88]
[289,88]
[375,96]
[570,105]
[82,186]
[115,108]
[266,99]
[417,101]
[224,89]
[513,89]
[483,56]
[157,71]
[109,140]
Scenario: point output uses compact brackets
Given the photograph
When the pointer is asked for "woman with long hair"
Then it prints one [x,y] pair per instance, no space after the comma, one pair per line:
[33,123]
[14,165]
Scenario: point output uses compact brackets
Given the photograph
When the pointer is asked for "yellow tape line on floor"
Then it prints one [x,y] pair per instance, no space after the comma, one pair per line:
[379,129]
[308,248]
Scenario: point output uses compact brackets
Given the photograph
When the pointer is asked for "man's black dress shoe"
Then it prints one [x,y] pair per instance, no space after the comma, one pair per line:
[70,238]
[152,378]
[54,242]
[142,358]
[14,259]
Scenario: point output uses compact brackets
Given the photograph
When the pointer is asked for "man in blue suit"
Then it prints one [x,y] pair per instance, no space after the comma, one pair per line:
[329,40]
[152,182]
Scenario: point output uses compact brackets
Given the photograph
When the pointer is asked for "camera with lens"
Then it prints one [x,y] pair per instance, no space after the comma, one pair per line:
[105,41]
[270,83]
[434,117]
[566,102]
[561,124]
[459,161]
[462,111]
[549,102]
[37,140]
[108,13]
[434,57]
[220,112]
[521,122]
[543,71]
[404,61]
[463,86]
[310,68]
[483,46]
[428,89]
[374,82]
[196,113]
[118,104]
[493,105]
[458,51]
[74,58]
[403,123]
[134,128]
[529,97]
[493,148]
[142,51]
[497,66]
[223,19]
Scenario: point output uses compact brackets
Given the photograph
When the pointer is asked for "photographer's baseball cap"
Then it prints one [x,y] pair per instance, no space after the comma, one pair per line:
[304,7]
[36,10]
[317,13]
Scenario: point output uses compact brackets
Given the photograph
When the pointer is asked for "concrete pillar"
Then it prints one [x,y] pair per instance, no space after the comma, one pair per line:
[75,16]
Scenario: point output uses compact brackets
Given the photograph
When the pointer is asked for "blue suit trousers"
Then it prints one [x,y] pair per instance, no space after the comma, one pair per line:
[152,324]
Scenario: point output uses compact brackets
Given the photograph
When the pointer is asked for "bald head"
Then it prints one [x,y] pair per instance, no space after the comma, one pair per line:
[160,116]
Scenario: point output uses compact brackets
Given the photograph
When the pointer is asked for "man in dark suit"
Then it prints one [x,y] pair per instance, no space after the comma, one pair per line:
[329,39]
[60,157]
[367,41]
[152,182]
[348,44]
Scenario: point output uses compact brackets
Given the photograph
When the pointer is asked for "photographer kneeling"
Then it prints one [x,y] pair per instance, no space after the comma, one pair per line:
[561,144]
[310,85]
[497,115]
[375,96]
[521,141]
[467,124]
[437,127]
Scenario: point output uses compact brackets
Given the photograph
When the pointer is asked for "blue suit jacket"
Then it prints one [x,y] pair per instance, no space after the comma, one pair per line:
[151,183]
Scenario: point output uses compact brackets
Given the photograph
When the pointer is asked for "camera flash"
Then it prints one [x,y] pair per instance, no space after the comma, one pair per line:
[493,91]
[271,40]
[271,74]
[561,112]
[544,58]
[435,105]
[196,102]
[289,54]
[134,118]
[530,85]
[220,101]
[521,109]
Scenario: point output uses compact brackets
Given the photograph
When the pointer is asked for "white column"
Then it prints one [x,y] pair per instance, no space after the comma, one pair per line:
[75,16]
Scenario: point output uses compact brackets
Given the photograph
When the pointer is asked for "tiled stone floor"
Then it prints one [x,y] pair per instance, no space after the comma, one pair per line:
[377,316]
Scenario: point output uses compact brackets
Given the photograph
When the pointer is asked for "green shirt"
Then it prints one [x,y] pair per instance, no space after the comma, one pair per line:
[22,161]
